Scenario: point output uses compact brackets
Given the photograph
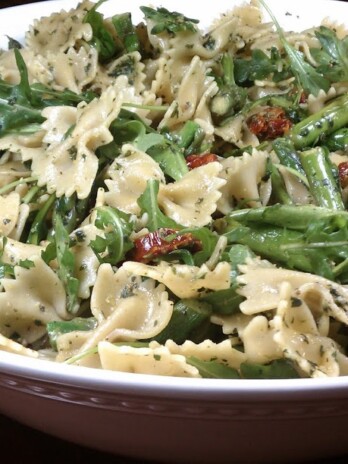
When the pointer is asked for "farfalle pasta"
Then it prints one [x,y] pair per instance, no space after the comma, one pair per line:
[173,198]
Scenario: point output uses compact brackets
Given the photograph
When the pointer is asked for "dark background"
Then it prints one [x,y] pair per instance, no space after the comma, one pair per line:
[24,445]
[7,3]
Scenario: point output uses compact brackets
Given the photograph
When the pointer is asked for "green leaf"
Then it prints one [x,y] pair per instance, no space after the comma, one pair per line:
[208,240]
[190,138]
[278,369]
[22,92]
[13,43]
[117,227]
[72,211]
[170,158]
[102,38]
[126,31]
[333,57]
[237,255]
[20,105]
[309,79]
[167,21]
[149,204]
[190,321]
[66,263]
[259,66]
[227,301]
[57,328]
[319,246]
[213,369]
[147,141]
[6,269]
[39,227]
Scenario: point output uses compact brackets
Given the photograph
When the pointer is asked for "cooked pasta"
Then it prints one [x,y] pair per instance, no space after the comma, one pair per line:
[173,199]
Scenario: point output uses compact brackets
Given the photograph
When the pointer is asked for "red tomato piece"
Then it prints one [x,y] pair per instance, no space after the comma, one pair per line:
[343,173]
[269,123]
[194,161]
[155,244]
[303,97]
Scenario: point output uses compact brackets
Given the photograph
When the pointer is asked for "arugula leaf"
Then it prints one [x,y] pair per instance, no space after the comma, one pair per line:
[50,97]
[129,128]
[13,43]
[19,119]
[39,227]
[182,255]
[44,96]
[260,66]
[126,31]
[278,369]
[16,103]
[102,39]
[170,159]
[317,244]
[237,255]
[167,21]
[190,321]
[6,269]
[190,138]
[310,80]
[148,204]
[213,369]
[146,141]
[22,93]
[72,210]
[227,301]
[208,240]
[126,128]
[66,262]
[333,57]
[165,149]
[57,328]
[117,227]
[20,105]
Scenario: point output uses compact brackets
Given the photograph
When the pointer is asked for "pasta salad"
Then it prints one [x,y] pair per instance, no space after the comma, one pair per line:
[173,200]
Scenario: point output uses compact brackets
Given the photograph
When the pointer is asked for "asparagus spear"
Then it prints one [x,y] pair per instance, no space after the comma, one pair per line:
[230,97]
[287,154]
[317,127]
[287,216]
[338,140]
[323,186]
[279,193]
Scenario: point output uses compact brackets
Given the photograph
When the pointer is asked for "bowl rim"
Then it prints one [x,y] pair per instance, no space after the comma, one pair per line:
[86,378]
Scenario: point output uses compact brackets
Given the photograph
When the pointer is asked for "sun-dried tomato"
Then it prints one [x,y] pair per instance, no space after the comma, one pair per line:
[194,161]
[303,97]
[155,244]
[270,123]
[343,174]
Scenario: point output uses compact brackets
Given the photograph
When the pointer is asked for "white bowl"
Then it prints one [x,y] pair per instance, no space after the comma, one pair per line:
[174,419]
[178,420]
